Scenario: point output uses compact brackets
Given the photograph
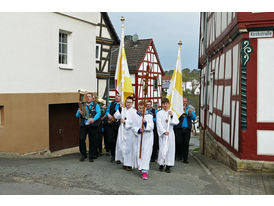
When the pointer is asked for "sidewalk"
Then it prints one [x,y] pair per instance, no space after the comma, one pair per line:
[238,183]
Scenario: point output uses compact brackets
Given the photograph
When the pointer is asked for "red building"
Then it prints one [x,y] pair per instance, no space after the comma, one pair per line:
[236,59]
[139,53]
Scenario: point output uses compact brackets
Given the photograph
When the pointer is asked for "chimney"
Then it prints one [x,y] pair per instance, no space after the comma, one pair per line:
[128,37]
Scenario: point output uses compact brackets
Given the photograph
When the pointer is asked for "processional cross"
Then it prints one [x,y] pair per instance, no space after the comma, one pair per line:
[145,79]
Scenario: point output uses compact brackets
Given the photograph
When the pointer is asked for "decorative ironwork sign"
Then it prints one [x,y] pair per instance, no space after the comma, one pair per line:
[246,51]
[245,57]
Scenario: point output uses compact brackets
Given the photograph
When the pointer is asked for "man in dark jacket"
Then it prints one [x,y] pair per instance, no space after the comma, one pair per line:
[183,132]
[112,125]
[89,114]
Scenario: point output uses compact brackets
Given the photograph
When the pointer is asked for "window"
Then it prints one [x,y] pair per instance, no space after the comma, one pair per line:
[98,52]
[112,83]
[1,115]
[64,50]
[211,92]
[155,84]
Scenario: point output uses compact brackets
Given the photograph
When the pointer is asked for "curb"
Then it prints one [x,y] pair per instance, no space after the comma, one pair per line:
[46,153]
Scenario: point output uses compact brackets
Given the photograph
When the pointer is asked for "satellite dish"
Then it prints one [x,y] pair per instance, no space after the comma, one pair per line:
[135,38]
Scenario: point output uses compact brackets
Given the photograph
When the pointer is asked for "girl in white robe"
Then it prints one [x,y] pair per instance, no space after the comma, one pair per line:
[147,142]
[166,156]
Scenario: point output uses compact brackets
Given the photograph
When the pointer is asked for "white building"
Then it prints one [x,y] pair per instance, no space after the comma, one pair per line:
[197,90]
[45,59]
[187,86]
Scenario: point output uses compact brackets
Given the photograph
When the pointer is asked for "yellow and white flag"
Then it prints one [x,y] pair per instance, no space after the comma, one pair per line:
[175,91]
[123,85]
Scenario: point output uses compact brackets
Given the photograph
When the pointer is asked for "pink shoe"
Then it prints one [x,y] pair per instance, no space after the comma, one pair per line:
[144,176]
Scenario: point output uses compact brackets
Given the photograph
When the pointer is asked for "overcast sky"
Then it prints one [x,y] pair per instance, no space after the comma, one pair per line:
[166,29]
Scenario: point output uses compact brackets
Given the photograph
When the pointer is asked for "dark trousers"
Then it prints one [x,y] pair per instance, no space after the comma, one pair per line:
[182,137]
[106,138]
[155,149]
[112,133]
[98,141]
[91,131]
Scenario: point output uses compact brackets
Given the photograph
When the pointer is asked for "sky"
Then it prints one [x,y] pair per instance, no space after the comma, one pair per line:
[166,29]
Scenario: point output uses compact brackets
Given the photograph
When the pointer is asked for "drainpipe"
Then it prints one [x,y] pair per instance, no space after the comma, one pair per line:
[206,80]
[108,80]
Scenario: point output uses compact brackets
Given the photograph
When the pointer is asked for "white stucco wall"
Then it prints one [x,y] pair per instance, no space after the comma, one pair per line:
[265,142]
[29,53]
[265,73]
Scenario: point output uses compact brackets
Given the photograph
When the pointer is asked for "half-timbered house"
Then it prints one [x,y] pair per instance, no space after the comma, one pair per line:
[236,114]
[106,37]
[140,53]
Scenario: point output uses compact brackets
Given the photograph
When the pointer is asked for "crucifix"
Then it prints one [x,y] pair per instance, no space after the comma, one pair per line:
[145,79]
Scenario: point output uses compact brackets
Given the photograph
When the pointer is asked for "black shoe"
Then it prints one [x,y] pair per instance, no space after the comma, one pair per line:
[161,168]
[91,160]
[152,160]
[118,162]
[167,169]
[112,159]
[83,158]
[185,161]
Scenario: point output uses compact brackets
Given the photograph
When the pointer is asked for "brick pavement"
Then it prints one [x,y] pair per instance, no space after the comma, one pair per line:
[238,183]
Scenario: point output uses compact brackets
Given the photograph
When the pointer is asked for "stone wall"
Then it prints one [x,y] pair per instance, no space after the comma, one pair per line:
[215,150]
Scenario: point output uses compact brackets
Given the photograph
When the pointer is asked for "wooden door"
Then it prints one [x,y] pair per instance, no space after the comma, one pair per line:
[63,126]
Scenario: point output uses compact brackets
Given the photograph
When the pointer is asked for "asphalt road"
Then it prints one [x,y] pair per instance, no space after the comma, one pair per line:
[67,175]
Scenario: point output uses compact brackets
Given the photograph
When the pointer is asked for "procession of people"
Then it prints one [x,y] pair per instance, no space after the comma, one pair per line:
[137,136]
[134,137]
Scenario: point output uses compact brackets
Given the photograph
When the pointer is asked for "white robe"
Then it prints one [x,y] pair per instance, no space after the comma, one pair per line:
[169,157]
[147,143]
[125,147]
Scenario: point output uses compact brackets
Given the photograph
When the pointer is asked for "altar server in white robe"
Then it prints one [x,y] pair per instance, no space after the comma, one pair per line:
[125,145]
[166,155]
[147,141]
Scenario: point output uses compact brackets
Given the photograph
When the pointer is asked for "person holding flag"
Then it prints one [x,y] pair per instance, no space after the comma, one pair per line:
[168,117]
[165,122]
[124,143]
[183,131]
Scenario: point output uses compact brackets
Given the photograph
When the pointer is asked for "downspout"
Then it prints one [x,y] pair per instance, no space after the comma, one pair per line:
[206,81]
[108,80]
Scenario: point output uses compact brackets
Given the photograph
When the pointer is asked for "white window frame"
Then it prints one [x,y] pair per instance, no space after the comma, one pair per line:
[68,65]
[99,52]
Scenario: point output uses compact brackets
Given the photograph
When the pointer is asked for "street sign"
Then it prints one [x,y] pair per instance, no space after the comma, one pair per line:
[260,34]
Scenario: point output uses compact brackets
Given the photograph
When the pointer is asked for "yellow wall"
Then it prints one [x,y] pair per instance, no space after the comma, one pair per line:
[25,125]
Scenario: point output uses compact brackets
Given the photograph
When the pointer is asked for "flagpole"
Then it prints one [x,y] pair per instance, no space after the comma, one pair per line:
[172,95]
[123,80]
